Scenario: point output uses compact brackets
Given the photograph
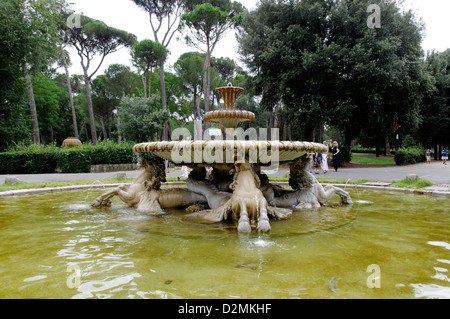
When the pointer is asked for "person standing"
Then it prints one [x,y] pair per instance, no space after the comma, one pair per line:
[325,159]
[444,156]
[428,154]
[317,161]
[335,153]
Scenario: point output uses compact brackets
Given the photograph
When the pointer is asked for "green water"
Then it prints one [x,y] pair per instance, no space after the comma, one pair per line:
[57,246]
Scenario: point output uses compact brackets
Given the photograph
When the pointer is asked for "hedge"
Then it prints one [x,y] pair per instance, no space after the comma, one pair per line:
[410,155]
[36,159]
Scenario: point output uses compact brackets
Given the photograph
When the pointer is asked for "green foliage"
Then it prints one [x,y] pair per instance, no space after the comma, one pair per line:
[47,96]
[73,160]
[417,183]
[33,159]
[28,42]
[141,118]
[147,55]
[435,109]
[108,152]
[328,68]
[36,159]
[409,141]
[410,155]
[370,158]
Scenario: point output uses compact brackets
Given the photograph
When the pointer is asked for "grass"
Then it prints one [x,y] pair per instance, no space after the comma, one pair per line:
[368,158]
[417,183]
[21,185]
[405,183]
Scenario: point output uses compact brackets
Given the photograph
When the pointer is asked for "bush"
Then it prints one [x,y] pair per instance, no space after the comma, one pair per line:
[37,159]
[107,152]
[33,159]
[410,155]
[73,161]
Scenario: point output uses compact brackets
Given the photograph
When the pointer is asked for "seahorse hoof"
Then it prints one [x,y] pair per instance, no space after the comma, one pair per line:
[244,227]
[263,225]
[101,203]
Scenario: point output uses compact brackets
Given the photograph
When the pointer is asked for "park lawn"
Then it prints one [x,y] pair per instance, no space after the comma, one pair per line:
[417,183]
[22,185]
[368,158]
[114,180]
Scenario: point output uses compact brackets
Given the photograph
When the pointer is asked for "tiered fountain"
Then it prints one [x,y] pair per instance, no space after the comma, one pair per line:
[237,189]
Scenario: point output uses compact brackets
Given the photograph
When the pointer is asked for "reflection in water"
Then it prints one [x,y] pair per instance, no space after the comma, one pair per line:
[321,253]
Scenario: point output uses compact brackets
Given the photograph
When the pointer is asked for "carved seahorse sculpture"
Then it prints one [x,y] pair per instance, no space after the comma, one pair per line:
[308,192]
[144,192]
[246,204]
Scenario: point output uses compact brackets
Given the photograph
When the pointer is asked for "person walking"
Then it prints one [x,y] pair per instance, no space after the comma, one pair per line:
[325,159]
[335,153]
[317,162]
[444,156]
[428,155]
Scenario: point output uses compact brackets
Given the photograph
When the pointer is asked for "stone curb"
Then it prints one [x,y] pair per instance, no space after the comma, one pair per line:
[33,191]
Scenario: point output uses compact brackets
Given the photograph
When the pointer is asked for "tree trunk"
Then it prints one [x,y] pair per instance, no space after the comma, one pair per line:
[102,124]
[388,146]
[165,132]
[34,118]
[144,83]
[197,114]
[207,80]
[90,109]
[150,83]
[69,90]
[119,139]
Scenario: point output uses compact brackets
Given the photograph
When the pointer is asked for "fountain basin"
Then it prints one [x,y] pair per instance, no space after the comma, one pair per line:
[286,151]
[124,254]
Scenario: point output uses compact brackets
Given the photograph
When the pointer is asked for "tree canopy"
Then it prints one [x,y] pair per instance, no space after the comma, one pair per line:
[329,68]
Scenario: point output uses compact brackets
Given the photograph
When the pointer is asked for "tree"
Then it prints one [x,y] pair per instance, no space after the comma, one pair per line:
[107,90]
[328,67]
[226,67]
[189,69]
[141,118]
[65,62]
[29,41]
[207,23]
[47,97]
[163,13]
[96,38]
[147,55]
[435,110]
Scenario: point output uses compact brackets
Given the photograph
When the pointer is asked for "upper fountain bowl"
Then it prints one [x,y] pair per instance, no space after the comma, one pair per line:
[229,117]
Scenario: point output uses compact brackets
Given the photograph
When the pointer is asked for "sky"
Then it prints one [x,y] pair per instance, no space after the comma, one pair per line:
[125,15]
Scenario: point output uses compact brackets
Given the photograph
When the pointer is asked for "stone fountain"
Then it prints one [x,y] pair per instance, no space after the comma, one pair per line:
[238,187]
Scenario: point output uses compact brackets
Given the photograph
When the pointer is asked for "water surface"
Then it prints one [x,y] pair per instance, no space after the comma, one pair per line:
[56,246]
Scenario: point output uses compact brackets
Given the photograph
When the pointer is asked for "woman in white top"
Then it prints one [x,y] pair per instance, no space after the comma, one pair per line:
[325,159]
